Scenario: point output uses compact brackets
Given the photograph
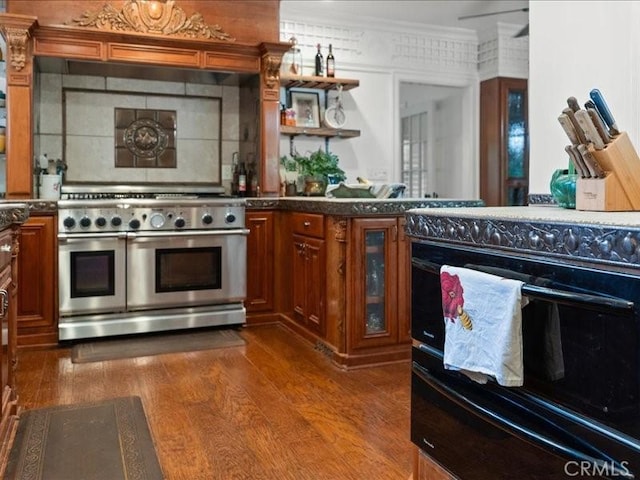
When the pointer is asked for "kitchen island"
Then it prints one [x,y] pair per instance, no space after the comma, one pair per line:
[12,216]
[336,272]
[580,338]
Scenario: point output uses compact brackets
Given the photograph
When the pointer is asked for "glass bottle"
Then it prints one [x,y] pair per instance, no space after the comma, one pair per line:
[331,63]
[293,59]
[319,63]
[235,174]
[242,180]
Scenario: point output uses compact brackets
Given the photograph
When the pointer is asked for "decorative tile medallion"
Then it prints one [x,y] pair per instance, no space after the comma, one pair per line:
[145,138]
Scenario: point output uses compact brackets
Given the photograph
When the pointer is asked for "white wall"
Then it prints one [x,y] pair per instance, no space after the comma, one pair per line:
[382,56]
[576,46]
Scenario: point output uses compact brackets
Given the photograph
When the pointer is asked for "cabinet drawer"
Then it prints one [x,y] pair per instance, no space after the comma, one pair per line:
[310,224]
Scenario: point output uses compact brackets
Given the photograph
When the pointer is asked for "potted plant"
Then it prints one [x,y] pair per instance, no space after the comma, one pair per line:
[289,172]
[319,169]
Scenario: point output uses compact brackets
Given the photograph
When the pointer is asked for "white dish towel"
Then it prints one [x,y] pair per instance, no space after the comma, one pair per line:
[483,325]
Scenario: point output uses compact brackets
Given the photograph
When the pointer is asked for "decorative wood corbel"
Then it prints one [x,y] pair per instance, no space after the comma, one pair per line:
[17,45]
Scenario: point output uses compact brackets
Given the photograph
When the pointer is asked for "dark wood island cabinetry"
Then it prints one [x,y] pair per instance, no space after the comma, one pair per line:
[12,215]
[340,273]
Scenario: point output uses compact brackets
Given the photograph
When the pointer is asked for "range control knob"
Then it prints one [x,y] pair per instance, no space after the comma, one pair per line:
[116,221]
[230,218]
[156,220]
[179,223]
[101,221]
[69,222]
[207,219]
[85,222]
[134,223]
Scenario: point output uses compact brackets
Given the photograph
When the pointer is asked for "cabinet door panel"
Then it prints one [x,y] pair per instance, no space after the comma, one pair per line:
[315,275]
[260,255]
[375,287]
[298,272]
[37,307]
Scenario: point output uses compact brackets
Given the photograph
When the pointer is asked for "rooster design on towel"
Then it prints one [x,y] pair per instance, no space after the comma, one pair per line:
[453,300]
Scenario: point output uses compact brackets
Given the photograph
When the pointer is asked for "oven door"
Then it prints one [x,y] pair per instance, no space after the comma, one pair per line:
[184,269]
[91,276]
[487,431]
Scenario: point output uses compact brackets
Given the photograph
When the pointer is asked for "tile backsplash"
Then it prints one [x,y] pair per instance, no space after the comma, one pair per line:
[75,121]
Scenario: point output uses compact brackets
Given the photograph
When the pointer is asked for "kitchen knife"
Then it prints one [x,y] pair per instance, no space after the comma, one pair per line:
[603,108]
[599,124]
[576,126]
[590,161]
[574,155]
[568,128]
[589,129]
[573,104]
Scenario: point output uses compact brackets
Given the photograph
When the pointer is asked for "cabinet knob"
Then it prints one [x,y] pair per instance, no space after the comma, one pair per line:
[307,224]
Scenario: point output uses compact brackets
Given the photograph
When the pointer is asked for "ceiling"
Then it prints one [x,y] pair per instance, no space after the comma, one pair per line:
[433,12]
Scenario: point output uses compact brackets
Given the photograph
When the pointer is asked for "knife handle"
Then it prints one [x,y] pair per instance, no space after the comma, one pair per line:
[591,162]
[599,124]
[575,157]
[603,108]
[573,104]
[589,129]
[568,128]
[576,126]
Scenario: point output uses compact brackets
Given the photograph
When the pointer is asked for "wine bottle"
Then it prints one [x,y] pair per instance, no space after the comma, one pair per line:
[331,63]
[319,63]
[236,174]
[242,180]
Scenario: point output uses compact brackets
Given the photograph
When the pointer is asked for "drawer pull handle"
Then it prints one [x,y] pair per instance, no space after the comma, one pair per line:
[4,303]
[307,224]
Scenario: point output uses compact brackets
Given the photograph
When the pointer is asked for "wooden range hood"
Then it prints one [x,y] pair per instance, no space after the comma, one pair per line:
[236,37]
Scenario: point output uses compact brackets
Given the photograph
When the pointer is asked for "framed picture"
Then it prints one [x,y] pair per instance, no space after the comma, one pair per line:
[307,108]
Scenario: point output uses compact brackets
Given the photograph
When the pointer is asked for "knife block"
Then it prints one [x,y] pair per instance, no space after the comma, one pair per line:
[619,190]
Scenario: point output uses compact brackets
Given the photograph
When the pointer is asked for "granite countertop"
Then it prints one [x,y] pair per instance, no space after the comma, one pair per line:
[12,212]
[357,206]
[602,237]
[547,213]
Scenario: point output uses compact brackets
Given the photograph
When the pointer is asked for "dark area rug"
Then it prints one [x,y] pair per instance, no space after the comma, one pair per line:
[156,344]
[107,440]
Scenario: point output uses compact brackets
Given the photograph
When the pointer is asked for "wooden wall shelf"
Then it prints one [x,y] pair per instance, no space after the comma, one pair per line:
[318,132]
[320,83]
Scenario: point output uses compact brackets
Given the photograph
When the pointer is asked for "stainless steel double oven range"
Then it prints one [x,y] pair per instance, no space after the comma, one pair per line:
[148,258]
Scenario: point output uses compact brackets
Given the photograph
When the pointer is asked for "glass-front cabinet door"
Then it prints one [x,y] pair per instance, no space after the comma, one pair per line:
[375,281]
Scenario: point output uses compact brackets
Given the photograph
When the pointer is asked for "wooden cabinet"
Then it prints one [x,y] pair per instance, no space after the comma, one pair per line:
[308,271]
[260,259]
[504,142]
[37,284]
[9,406]
[377,288]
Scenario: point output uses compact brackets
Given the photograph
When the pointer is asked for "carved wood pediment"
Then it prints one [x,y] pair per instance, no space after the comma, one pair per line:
[158,17]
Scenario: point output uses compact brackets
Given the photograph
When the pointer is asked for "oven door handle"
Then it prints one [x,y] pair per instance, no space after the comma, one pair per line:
[189,233]
[612,467]
[63,237]
[545,293]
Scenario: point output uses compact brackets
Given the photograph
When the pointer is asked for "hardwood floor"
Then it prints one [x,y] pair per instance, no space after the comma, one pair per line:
[273,409]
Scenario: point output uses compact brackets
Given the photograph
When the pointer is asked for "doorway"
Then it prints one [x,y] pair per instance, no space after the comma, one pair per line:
[437,141]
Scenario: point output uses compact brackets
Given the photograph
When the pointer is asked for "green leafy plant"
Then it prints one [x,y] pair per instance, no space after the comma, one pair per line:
[289,164]
[320,163]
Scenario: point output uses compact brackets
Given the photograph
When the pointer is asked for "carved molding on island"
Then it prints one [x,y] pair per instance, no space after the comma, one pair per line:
[612,245]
